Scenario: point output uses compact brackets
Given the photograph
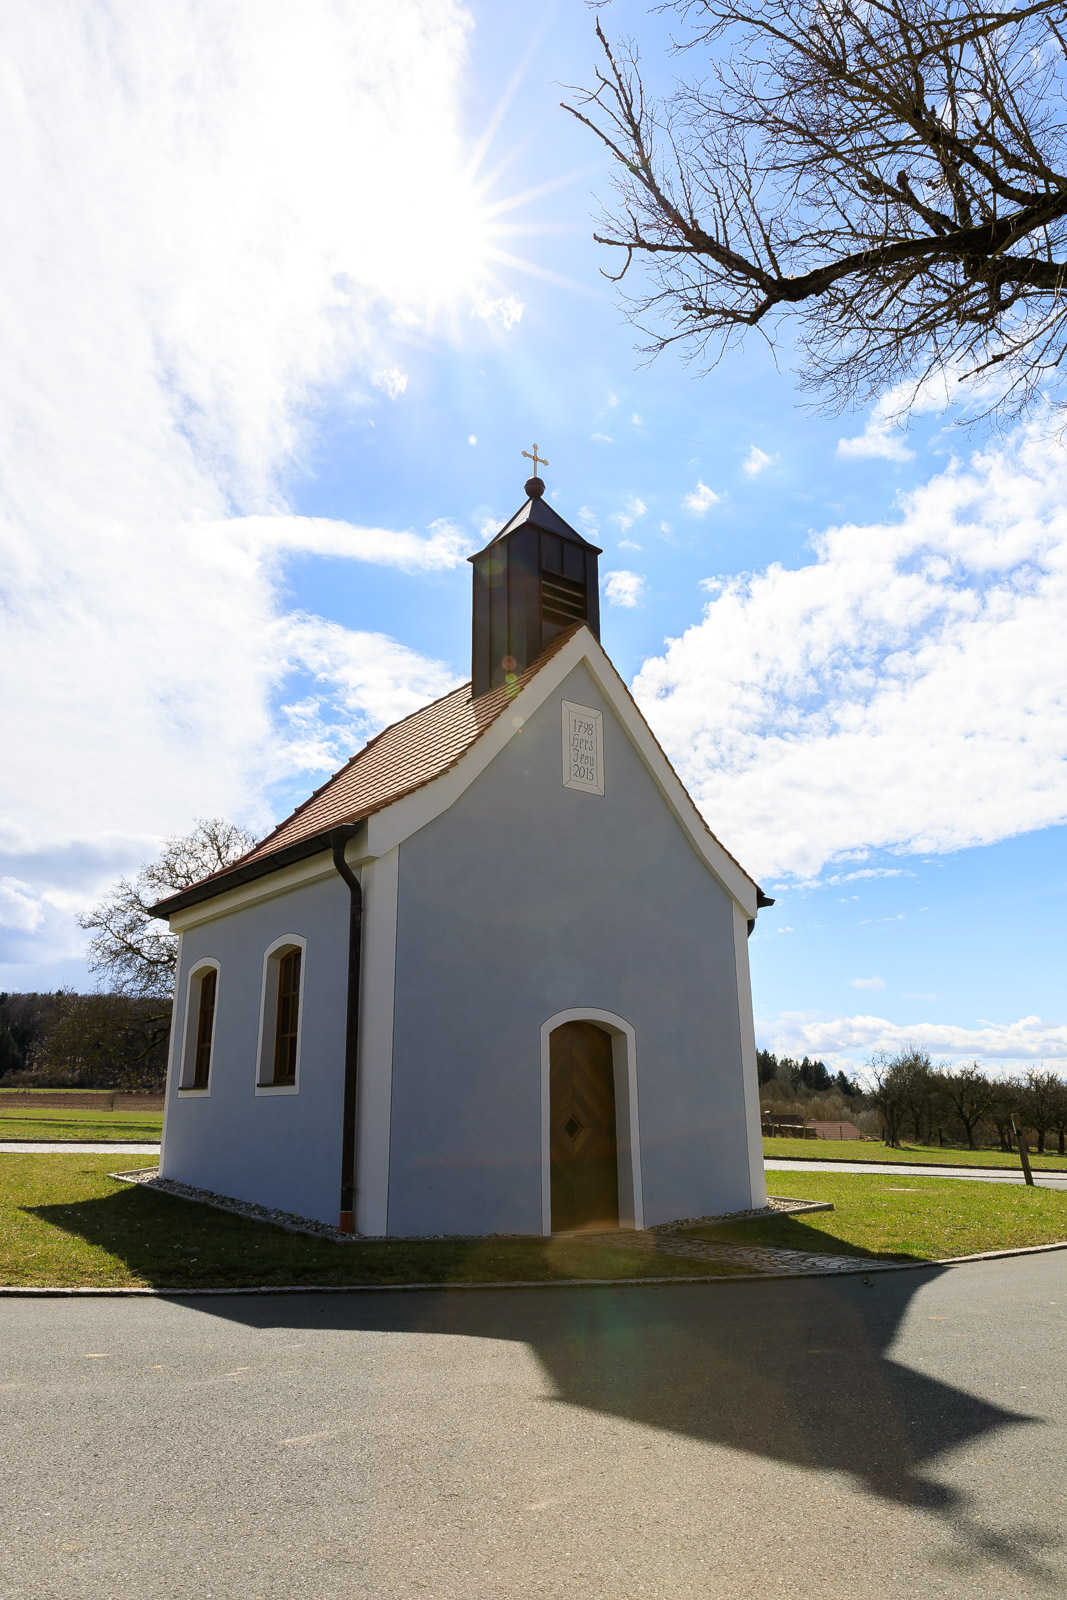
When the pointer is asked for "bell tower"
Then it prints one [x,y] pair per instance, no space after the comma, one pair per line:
[537,577]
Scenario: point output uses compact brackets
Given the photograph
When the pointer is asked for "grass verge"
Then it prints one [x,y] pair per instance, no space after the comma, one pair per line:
[79,1123]
[906,1218]
[65,1223]
[912,1155]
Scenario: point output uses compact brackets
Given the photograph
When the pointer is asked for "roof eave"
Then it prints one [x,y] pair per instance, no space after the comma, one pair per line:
[237,875]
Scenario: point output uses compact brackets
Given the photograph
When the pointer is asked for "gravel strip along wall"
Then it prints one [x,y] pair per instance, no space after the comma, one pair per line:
[148,1178]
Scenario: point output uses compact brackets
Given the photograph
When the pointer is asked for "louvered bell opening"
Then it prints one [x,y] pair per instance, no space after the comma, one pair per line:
[562,602]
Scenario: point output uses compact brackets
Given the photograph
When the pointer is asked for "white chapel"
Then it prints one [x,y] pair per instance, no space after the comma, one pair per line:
[492,977]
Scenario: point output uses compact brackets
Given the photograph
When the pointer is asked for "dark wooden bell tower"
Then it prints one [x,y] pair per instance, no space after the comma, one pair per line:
[536,578]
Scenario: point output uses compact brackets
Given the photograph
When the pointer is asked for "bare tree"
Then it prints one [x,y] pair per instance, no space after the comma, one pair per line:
[129,946]
[891,172]
[1039,1095]
[1059,1117]
[889,1089]
[1004,1105]
[970,1093]
[111,1041]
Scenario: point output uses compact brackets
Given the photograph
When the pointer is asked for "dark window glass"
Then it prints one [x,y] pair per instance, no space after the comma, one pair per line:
[205,1023]
[288,1017]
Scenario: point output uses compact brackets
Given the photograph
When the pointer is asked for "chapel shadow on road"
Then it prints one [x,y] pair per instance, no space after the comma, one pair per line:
[795,1370]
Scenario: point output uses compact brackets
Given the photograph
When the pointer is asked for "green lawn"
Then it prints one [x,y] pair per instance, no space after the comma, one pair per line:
[78,1122]
[907,1218]
[63,1221]
[912,1154]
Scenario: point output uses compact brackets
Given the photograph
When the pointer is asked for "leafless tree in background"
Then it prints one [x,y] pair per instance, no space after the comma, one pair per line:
[971,1094]
[891,172]
[130,947]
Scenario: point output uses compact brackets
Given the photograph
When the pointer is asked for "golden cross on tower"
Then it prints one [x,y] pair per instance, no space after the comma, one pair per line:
[535,458]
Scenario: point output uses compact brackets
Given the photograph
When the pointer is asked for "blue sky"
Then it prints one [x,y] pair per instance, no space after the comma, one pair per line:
[271,385]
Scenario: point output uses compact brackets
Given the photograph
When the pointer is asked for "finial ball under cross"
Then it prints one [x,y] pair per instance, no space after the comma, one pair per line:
[535,486]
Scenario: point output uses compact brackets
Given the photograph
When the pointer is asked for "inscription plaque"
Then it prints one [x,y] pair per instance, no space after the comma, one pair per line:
[583,748]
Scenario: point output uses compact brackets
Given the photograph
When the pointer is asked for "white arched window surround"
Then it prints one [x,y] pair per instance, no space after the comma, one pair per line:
[268,1013]
[627,1127]
[190,1028]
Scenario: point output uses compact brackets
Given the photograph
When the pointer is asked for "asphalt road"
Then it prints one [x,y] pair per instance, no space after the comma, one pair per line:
[1047,1180]
[806,1439]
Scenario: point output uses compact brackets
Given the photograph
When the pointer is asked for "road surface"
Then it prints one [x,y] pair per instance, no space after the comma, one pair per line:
[813,1439]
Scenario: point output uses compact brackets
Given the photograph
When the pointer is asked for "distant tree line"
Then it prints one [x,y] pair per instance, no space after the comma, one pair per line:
[116,1039]
[814,1076]
[938,1103]
[909,1096]
[83,1041]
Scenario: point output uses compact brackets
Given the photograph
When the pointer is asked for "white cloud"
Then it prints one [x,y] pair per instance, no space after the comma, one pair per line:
[602,438]
[505,309]
[394,380]
[701,499]
[871,872]
[884,435]
[613,399]
[1030,1039]
[756,462]
[624,588]
[20,909]
[446,547]
[868,983]
[356,683]
[635,508]
[637,421]
[882,438]
[191,253]
[906,690]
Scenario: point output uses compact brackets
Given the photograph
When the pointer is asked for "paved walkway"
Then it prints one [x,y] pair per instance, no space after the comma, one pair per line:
[899,1169]
[766,1259]
[71,1147]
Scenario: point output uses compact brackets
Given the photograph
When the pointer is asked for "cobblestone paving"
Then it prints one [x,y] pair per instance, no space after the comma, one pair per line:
[756,1258]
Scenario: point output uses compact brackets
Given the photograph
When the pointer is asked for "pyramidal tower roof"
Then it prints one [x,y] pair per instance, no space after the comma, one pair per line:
[538,513]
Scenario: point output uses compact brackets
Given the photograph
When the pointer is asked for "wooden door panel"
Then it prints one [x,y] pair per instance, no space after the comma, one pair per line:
[582,1143]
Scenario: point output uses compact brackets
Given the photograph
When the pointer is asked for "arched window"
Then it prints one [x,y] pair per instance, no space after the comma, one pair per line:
[199,1038]
[279,1034]
[287,1021]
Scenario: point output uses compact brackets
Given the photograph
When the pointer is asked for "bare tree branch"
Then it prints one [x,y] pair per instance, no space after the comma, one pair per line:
[128,945]
[891,175]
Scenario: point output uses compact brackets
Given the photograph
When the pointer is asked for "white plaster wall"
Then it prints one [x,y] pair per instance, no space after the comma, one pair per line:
[526,899]
[278,1149]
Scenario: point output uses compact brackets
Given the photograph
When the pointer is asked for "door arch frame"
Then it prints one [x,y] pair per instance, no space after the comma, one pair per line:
[627,1124]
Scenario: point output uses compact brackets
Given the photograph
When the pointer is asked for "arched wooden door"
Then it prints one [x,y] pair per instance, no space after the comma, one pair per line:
[582,1144]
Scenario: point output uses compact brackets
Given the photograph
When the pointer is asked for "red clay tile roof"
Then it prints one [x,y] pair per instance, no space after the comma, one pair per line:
[399,760]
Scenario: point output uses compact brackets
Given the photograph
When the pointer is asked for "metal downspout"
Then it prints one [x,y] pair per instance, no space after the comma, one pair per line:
[338,840]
